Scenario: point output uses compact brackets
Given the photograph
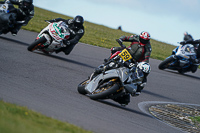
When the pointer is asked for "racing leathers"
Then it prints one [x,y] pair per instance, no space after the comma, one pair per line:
[75,35]
[23,14]
[187,37]
[196,44]
[139,52]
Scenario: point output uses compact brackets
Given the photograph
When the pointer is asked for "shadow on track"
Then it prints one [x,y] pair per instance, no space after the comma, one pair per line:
[67,60]
[186,75]
[123,108]
[157,95]
[15,41]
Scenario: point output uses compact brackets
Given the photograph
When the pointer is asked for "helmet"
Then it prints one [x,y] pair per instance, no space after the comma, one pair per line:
[186,33]
[144,38]
[78,21]
[26,3]
[144,66]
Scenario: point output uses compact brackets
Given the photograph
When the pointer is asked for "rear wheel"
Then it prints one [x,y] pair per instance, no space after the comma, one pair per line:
[166,63]
[102,92]
[37,43]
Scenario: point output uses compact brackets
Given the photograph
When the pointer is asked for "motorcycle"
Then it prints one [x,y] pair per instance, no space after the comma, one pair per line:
[51,38]
[7,18]
[182,59]
[115,83]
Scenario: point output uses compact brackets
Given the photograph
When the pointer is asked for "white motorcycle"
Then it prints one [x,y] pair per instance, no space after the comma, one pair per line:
[51,38]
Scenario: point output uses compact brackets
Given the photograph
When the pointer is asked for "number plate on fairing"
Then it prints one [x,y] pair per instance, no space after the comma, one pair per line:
[125,55]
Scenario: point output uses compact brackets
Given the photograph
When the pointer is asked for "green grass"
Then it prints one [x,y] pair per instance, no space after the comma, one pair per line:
[196,121]
[16,119]
[97,35]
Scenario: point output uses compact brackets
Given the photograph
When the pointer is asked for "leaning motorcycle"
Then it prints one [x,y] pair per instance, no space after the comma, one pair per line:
[116,82]
[51,38]
[7,18]
[182,59]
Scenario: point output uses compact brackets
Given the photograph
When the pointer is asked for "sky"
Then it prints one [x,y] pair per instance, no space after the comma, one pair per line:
[165,20]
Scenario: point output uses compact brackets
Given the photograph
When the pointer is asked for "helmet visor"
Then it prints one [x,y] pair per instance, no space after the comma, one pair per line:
[143,41]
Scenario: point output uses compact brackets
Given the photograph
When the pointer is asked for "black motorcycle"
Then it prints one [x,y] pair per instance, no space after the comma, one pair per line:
[8,17]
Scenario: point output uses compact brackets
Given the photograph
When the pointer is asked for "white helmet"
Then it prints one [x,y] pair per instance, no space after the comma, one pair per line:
[144,66]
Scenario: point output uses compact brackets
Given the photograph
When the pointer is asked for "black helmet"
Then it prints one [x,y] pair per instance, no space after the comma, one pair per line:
[78,21]
[26,4]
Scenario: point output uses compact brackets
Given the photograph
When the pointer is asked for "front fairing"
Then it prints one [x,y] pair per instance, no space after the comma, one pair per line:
[4,8]
[185,51]
[121,73]
[59,31]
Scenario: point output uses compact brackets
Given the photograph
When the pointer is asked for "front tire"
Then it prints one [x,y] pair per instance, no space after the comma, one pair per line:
[81,87]
[165,63]
[103,93]
[37,43]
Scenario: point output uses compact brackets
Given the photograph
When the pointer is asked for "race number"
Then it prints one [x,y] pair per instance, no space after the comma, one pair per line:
[125,55]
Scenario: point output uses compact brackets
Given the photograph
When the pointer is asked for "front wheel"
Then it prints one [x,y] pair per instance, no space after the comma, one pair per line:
[104,92]
[81,87]
[37,43]
[166,63]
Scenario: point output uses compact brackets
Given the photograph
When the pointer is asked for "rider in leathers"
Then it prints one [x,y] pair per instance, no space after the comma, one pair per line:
[25,12]
[76,32]
[140,49]
[196,44]
[187,37]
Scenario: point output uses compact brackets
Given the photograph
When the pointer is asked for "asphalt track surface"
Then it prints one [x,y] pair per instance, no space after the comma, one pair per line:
[48,84]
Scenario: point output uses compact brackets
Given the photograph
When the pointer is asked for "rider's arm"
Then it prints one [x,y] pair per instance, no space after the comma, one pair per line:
[193,42]
[16,2]
[147,53]
[59,19]
[76,39]
[132,38]
[29,16]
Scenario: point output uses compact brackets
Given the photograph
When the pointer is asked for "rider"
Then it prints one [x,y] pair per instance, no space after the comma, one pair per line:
[187,37]
[25,12]
[76,29]
[140,49]
[196,44]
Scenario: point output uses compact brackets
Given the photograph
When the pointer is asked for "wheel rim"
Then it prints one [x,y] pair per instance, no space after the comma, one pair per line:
[85,83]
[99,90]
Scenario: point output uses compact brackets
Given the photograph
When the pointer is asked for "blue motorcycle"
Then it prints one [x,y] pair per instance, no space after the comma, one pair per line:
[182,59]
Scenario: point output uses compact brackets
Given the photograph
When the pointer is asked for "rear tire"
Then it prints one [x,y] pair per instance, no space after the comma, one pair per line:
[103,94]
[165,63]
[37,43]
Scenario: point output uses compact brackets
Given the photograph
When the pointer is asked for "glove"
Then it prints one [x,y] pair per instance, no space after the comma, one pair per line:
[120,42]
[47,21]
[66,42]
[99,70]
[196,61]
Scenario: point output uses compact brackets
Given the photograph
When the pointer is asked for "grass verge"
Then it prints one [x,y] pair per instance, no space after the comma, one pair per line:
[196,121]
[16,119]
